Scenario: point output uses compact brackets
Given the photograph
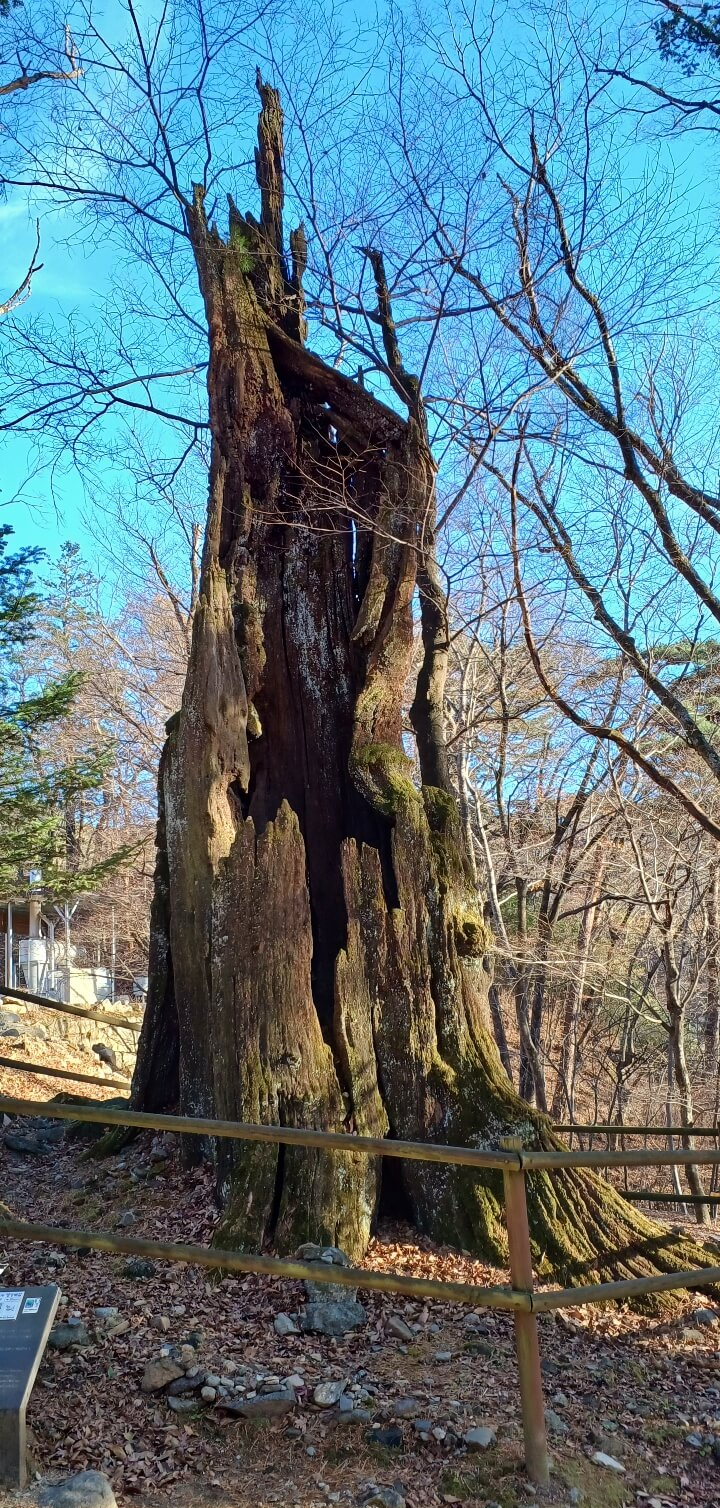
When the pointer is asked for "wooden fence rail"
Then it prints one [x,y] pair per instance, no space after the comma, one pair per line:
[217,1258]
[515,1162]
[648,1196]
[106,1018]
[605,1128]
[24,1066]
[297,1136]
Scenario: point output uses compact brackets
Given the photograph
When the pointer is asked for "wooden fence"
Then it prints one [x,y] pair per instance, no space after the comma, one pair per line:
[106,1018]
[511,1158]
[610,1129]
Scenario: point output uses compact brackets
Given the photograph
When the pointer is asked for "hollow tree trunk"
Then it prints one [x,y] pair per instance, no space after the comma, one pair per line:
[318,942]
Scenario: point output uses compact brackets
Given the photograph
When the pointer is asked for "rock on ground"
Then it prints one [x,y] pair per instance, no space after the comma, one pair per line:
[555,1423]
[29,1145]
[67,1334]
[159,1373]
[334,1318]
[87,1489]
[707,1317]
[383,1497]
[139,1267]
[324,1258]
[106,1314]
[265,1406]
[600,1458]
[284,1324]
[184,1385]
[406,1408]
[327,1394]
[479,1439]
[398,1327]
[391,1438]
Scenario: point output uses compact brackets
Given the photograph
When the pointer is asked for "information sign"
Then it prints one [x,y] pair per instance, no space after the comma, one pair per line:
[26,1315]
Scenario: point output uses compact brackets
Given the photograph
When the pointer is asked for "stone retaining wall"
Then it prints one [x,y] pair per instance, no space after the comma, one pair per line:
[47,1025]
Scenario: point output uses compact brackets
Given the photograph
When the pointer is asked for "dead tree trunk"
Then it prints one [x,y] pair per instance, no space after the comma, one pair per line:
[317,937]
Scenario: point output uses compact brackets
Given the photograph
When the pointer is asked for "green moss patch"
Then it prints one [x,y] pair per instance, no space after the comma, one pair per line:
[241,245]
[600,1488]
[383,773]
[497,1477]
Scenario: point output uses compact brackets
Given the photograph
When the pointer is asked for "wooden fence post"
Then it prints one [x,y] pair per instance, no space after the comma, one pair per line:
[526,1326]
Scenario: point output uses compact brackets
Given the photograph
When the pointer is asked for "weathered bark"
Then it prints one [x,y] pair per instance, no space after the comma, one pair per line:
[155,1080]
[319,939]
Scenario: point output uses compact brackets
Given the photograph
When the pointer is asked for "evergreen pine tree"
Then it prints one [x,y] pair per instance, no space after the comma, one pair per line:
[35,789]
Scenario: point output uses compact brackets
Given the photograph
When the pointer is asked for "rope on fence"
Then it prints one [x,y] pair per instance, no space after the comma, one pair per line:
[63,1073]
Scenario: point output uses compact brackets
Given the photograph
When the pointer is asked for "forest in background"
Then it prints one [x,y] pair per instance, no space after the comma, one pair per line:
[602,896]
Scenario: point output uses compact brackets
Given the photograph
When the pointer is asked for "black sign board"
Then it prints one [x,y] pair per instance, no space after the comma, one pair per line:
[26,1315]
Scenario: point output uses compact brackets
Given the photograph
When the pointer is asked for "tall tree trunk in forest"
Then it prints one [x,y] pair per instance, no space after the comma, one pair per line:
[465,794]
[712,976]
[563,1102]
[676,1040]
[316,935]
[531,1074]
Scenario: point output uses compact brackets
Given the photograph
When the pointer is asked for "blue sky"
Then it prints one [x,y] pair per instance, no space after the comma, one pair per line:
[43,501]
[45,497]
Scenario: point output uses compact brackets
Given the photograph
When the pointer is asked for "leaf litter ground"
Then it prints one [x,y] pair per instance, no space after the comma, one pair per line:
[615,1382]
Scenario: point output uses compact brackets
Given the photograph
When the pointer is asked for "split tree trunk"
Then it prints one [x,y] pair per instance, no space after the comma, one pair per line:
[318,954]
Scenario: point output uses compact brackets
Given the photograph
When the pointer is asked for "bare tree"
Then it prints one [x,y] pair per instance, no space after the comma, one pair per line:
[23,80]
[589,307]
